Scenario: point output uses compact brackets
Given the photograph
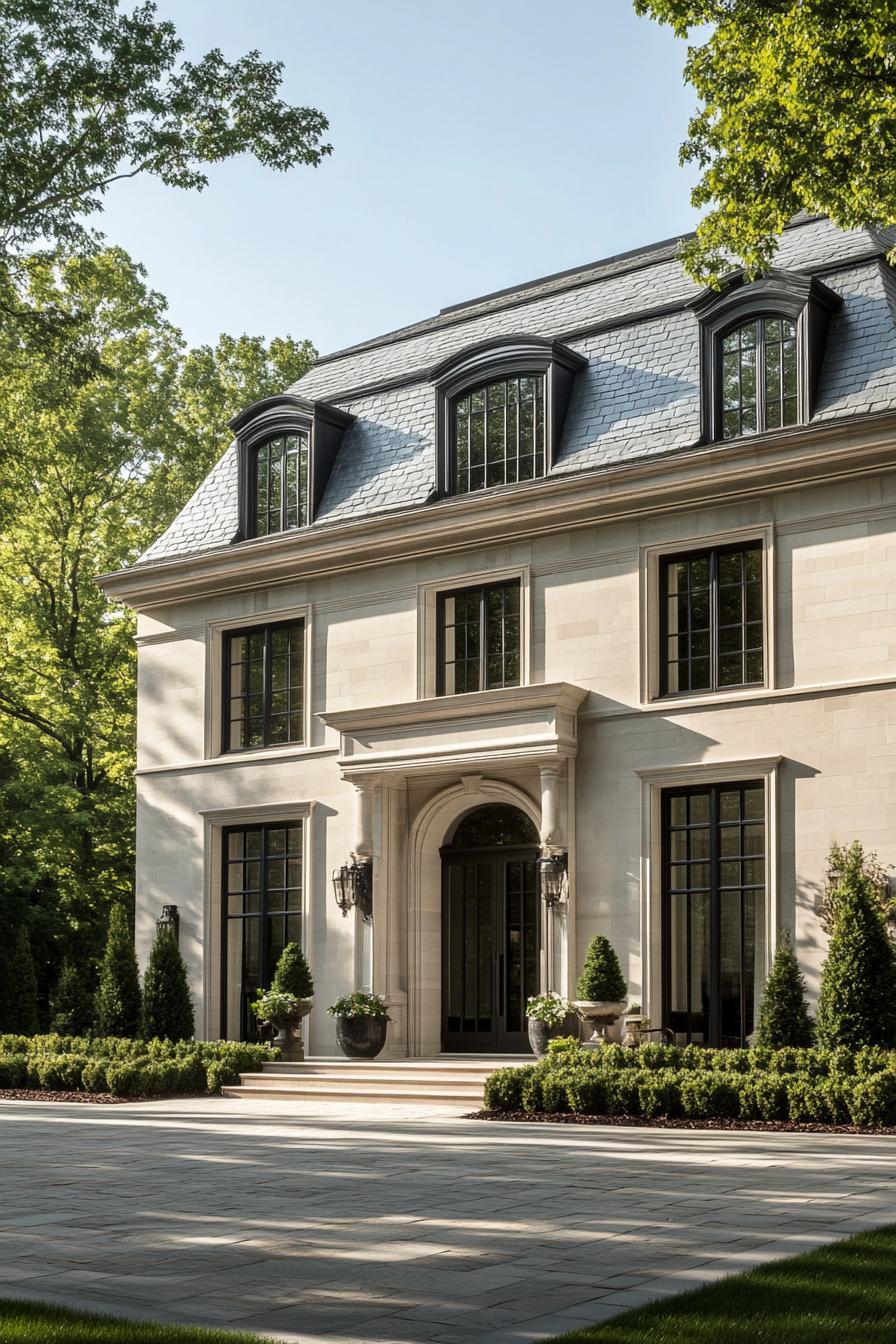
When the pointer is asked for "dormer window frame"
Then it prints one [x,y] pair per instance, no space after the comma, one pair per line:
[278,417]
[800,299]
[495,361]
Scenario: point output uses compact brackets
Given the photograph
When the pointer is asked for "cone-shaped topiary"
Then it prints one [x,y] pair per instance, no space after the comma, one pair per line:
[18,987]
[784,1014]
[117,1007]
[857,1000]
[601,980]
[167,1006]
[71,1007]
[293,975]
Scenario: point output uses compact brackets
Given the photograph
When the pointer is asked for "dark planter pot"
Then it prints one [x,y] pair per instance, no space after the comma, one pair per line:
[361,1037]
[540,1033]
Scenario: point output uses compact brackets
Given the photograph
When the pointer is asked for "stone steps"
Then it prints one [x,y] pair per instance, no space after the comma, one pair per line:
[444,1081]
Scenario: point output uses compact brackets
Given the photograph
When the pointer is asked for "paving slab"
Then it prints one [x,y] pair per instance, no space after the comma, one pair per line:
[323,1223]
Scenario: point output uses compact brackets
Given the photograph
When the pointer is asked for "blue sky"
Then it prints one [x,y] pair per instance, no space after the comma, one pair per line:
[476,145]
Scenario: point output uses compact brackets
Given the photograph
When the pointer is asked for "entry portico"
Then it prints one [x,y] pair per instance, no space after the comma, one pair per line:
[418,769]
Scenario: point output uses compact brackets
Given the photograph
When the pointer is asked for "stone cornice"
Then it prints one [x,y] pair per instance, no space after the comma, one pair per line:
[709,474]
[446,708]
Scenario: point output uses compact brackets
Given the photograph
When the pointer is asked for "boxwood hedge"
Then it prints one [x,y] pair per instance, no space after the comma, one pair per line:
[124,1067]
[811,1086]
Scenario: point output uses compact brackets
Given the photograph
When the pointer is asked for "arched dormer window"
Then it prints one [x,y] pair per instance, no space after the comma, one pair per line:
[762,346]
[760,389]
[500,411]
[286,450]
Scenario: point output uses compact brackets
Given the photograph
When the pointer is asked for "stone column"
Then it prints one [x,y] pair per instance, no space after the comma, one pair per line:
[551,835]
[362,849]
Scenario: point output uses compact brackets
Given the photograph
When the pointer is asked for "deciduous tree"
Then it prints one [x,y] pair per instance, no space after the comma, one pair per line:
[797,113]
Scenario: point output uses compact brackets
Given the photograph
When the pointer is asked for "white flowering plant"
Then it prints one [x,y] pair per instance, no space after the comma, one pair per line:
[551,1008]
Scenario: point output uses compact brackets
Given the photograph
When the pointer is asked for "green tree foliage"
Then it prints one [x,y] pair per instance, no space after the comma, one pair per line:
[95,467]
[18,985]
[857,1000]
[118,1006]
[784,1014]
[601,979]
[797,112]
[293,975]
[71,1006]
[167,1006]
[92,92]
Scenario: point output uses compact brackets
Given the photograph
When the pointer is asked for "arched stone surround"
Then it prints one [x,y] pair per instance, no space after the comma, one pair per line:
[429,831]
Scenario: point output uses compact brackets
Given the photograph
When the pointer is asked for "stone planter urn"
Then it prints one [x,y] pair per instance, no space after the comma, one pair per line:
[289,1040]
[540,1033]
[598,1016]
[361,1037]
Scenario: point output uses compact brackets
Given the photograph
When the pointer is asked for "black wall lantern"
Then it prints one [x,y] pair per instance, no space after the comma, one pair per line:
[353,885]
[552,866]
[169,921]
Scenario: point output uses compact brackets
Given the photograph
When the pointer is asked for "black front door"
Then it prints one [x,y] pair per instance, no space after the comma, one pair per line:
[489,938]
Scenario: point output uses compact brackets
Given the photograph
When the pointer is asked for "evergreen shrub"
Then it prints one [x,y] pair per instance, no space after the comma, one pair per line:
[167,1006]
[784,1018]
[601,980]
[118,1007]
[857,998]
[18,986]
[293,974]
[71,1007]
[13,1070]
[504,1089]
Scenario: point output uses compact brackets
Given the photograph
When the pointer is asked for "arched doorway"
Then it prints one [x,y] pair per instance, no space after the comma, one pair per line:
[490,930]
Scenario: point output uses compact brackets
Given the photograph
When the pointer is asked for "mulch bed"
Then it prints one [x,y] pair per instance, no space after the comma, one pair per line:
[39,1094]
[639,1122]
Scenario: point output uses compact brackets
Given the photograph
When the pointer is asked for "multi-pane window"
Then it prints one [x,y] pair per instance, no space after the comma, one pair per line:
[759,377]
[479,638]
[264,674]
[714,911]
[262,913]
[281,483]
[711,620]
[499,434]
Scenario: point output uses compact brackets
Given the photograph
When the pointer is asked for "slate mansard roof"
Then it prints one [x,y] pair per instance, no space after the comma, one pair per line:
[630,316]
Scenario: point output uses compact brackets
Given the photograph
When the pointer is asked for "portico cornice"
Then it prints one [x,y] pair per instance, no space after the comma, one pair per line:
[708,474]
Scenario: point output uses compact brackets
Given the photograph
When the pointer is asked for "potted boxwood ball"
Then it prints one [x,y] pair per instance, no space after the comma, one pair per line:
[547,1017]
[601,990]
[361,1023]
[287,1002]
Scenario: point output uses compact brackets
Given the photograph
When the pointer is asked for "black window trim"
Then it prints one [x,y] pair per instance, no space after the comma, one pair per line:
[494,361]
[802,299]
[713,788]
[270,418]
[760,318]
[265,825]
[483,589]
[252,482]
[714,551]
[267,628]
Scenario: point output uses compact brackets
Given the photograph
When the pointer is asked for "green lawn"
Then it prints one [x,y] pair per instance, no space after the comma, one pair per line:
[843,1294]
[35,1323]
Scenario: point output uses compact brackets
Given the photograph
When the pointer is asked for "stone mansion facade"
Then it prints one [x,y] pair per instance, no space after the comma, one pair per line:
[571,609]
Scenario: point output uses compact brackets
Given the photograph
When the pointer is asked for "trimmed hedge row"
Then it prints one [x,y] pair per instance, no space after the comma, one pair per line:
[694,1083]
[126,1068]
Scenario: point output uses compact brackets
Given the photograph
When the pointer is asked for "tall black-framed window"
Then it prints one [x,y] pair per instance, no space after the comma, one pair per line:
[498,433]
[280,483]
[759,385]
[711,619]
[264,679]
[714,856]
[478,638]
[262,913]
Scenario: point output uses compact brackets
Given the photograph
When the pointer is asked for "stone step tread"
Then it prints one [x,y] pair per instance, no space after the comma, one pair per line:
[449,1097]
[378,1078]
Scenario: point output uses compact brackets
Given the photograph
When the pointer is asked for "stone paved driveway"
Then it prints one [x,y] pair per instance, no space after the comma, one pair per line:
[393,1223]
